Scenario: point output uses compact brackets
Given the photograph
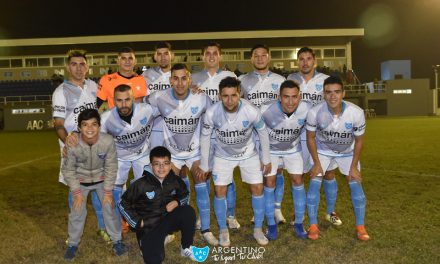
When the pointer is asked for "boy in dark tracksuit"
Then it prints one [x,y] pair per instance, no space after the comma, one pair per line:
[157,205]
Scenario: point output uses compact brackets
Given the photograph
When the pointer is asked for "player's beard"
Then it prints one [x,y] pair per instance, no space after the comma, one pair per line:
[125,111]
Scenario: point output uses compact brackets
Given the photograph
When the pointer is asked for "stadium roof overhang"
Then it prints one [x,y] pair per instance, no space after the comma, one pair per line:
[228,39]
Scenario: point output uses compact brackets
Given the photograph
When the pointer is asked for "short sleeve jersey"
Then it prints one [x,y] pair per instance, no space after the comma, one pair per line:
[260,88]
[335,134]
[233,133]
[132,139]
[284,131]
[108,82]
[209,84]
[156,79]
[68,100]
[311,91]
[182,122]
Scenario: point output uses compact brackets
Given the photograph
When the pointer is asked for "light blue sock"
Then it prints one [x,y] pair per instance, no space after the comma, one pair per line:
[231,196]
[70,200]
[313,197]
[299,201]
[203,204]
[269,197]
[117,193]
[208,186]
[279,190]
[258,207]
[331,192]
[220,211]
[188,186]
[98,210]
[359,201]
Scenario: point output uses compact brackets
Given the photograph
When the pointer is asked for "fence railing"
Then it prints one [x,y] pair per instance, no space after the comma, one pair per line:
[366,88]
[25,99]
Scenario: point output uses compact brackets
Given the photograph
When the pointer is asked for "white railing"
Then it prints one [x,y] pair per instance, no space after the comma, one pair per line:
[366,88]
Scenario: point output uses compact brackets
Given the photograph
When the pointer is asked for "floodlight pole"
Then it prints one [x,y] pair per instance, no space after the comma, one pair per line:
[436,69]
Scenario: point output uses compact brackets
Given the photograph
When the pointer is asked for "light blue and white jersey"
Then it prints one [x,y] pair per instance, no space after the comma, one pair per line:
[182,122]
[313,90]
[68,100]
[335,134]
[156,79]
[209,84]
[284,131]
[132,139]
[260,88]
[233,132]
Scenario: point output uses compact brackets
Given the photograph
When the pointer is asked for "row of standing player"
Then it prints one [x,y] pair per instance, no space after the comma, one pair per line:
[256,86]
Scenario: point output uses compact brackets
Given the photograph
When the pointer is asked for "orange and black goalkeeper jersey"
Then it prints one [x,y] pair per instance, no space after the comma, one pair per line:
[108,83]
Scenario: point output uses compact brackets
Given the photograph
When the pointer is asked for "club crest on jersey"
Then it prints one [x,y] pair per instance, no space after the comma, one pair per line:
[102,155]
[274,86]
[301,122]
[318,87]
[200,254]
[194,110]
[245,123]
[348,125]
[144,121]
[214,177]
[118,130]
[150,195]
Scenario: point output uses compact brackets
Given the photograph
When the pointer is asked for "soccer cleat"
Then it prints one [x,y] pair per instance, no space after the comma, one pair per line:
[102,233]
[362,233]
[313,232]
[198,223]
[260,237]
[169,239]
[119,248]
[279,218]
[210,238]
[299,231]
[272,232]
[187,253]
[233,223]
[334,219]
[124,227]
[224,238]
[70,252]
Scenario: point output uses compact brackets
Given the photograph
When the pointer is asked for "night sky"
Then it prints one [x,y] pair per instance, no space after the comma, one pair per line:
[394,29]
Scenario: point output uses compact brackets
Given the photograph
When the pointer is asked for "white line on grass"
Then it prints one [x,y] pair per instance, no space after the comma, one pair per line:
[405,172]
[27,162]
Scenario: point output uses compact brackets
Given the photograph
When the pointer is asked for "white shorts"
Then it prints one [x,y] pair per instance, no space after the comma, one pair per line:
[331,163]
[138,169]
[179,163]
[250,170]
[293,163]
[308,161]
[156,138]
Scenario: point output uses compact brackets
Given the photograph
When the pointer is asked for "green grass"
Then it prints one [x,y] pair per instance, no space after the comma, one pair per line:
[401,180]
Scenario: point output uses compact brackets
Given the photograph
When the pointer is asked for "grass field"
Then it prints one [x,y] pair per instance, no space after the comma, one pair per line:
[401,171]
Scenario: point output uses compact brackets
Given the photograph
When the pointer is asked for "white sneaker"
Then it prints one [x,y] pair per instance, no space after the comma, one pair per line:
[260,237]
[210,238]
[233,223]
[198,223]
[169,239]
[187,253]
[224,238]
[334,219]
[279,218]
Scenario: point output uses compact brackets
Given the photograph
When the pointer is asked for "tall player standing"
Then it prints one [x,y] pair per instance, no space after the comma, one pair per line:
[233,121]
[208,81]
[311,84]
[285,120]
[258,87]
[69,99]
[335,135]
[182,111]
